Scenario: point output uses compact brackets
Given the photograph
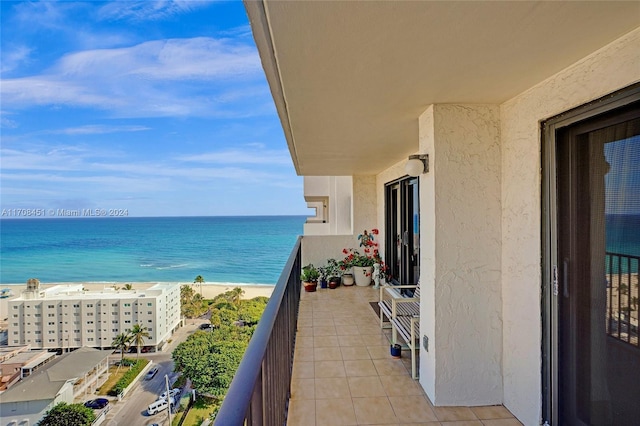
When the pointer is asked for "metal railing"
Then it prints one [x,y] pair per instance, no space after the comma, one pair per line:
[623,297]
[260,390]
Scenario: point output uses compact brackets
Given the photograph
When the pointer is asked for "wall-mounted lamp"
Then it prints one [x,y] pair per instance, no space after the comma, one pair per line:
[417,165]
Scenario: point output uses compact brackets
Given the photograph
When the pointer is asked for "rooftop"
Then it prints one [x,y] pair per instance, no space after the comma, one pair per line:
[47,382]
[75,291]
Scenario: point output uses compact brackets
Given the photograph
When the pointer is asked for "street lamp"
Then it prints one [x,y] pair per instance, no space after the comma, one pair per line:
[166,379]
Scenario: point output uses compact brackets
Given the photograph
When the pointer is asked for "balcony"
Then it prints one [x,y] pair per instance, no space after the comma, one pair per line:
[342,372]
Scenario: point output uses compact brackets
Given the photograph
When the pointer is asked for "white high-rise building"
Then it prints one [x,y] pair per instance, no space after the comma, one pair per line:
[68,317]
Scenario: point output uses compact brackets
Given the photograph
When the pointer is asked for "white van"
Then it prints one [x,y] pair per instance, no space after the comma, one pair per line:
[159,405]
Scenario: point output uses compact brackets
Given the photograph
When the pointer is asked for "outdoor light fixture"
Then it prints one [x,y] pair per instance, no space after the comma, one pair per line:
[417,165]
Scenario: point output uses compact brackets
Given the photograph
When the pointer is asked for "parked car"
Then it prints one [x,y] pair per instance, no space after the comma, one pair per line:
[206,326]
[172,393]
[151,373]
[97,404]
[159,405]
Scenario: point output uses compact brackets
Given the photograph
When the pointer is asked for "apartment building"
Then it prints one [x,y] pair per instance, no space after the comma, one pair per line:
[68,317]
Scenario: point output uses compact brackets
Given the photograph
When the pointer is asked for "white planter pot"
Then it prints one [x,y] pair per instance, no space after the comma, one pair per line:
[362,275]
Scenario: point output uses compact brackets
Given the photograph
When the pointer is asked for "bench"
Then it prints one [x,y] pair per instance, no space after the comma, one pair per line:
[408,327]
[403,314]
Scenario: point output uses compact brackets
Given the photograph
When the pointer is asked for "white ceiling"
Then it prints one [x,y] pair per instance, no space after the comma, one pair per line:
[350,78]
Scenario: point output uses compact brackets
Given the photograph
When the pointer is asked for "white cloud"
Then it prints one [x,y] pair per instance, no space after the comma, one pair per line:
[179,77]
[149,10]
[237,156]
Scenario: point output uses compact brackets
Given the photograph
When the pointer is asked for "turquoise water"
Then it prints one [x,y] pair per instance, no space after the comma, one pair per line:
[250,249]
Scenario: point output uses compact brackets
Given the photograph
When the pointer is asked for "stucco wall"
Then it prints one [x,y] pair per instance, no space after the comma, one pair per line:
[462,276]
[317,249]
[607,70]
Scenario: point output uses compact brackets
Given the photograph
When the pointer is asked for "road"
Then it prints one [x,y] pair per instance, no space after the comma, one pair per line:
[132,410]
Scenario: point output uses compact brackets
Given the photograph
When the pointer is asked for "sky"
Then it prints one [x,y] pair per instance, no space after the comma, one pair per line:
[156,108]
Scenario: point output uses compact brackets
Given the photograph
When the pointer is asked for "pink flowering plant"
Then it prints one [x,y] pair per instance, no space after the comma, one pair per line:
[370,256]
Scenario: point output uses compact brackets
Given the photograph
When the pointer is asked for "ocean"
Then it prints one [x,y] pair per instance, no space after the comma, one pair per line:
[240,250]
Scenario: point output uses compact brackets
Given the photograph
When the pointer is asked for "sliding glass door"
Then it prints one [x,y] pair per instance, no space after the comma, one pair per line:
[402,249]
[592,351]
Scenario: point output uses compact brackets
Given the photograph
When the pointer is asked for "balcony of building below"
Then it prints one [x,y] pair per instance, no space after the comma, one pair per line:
[343,372]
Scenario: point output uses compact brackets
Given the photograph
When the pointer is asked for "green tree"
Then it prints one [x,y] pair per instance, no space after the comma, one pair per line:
[128,287]
[199,280]
[65,414]
[138,334]
[122,342]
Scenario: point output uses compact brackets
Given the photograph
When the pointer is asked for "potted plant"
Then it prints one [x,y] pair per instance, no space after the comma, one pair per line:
[309,277]
[323,270]
[333,273]
[362,264]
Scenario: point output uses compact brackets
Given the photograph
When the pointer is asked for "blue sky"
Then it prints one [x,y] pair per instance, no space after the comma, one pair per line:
[160,108]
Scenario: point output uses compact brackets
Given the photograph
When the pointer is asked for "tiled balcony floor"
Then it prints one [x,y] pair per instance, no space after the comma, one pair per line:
[343,373]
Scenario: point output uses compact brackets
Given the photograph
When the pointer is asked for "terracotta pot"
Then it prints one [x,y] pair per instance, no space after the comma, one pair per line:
[310,286]
[334,282]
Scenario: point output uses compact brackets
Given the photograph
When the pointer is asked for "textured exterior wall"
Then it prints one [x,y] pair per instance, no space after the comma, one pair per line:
[462,224]
[606,70]
[364,204]
[339,190]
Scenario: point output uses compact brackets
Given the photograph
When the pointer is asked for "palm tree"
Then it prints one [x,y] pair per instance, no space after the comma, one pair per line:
[236,296]
[122,342]
[138,333]
[199,280]
[128,287]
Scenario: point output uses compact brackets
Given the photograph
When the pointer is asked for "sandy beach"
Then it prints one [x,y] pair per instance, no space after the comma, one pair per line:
[209,290]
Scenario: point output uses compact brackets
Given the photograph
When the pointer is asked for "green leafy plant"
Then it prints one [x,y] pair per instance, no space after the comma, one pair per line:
[370,256]
[310,274]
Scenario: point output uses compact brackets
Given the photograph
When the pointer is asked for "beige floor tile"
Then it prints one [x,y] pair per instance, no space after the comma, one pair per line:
[304,342]
[421,424]
[303,389]
[372,329]
[334,387]
[347,329]
[302,412]
[360,367]
[319,341]
[305,331]
[374,339]
[390,367]
[303,370]
[491,412]
[350,340]
[365,386]
[324,331]
[305,322]
[303,354]
[327,353]
[379,352]
[344,325]
[334,412]
[401,386]
[462,423]
[329,369]
[502,422]
[412,409]
[354,352]
[374,410]
[448,414]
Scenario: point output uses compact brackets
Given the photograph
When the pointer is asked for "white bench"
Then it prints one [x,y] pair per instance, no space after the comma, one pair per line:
[403,314]
[409,330]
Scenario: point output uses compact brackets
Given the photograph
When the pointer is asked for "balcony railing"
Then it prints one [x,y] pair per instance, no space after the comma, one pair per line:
[260,389]
[623,297]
